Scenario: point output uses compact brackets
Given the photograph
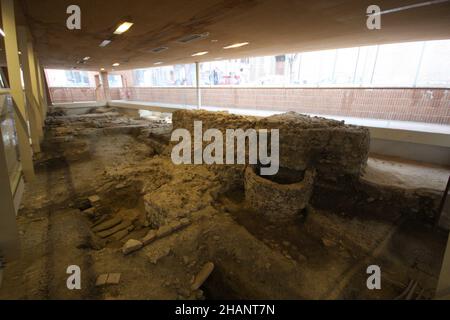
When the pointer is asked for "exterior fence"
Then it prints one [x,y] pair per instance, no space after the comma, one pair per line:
[429,105]
[72,94]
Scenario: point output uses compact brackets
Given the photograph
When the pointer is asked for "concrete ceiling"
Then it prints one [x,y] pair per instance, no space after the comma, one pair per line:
[270,26]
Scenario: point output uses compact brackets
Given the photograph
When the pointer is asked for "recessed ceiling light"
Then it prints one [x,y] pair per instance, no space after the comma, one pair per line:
[200,53]
[19,52]
[219,58]
[116,64]
[214,40]
[193,37]
[86,58]
[236,45]
[159,62]
[123,27]
[159,49]
[105,43]
[102,69]
[2,32]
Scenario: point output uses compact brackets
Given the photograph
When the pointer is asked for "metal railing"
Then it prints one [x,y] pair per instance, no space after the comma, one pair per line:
[428,105]
[10,175]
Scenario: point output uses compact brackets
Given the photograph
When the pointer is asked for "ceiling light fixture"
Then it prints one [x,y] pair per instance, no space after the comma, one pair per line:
[123,27]
[116,64]
[159,49]
[2,32]
[193,37]
[200,53]
[105,43]
[236,45]
[86,58]
[102,69]
[412,6]
[159,62]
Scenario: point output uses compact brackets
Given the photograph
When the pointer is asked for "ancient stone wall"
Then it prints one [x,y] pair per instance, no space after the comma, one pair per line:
[332,147]
[279,201]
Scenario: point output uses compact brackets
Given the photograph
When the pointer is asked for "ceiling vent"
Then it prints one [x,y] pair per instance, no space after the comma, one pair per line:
[193,37]
[159,49]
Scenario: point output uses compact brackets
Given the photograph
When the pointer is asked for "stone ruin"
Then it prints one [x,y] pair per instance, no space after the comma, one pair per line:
[311,150]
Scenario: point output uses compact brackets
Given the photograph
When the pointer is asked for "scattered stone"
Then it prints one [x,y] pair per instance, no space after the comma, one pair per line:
[131,245]
[155,255]
[201,277]
[164,231]
[90,212]
[175,225]
[328,242]
[150,237]
[121,226]
[185,221]
[94,199]
[101,280]
[113,278]
[107,224]
[121,234]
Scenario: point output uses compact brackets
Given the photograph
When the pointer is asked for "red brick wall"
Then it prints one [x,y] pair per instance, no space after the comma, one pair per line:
[62,95]
[424,105]
[407,104]
[182,95]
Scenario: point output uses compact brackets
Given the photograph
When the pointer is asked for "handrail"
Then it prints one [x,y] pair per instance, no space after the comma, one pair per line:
[282,87]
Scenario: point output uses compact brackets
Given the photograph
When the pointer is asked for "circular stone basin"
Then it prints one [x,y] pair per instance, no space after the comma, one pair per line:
[283,195]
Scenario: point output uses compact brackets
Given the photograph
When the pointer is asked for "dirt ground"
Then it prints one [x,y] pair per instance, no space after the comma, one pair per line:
[323,254]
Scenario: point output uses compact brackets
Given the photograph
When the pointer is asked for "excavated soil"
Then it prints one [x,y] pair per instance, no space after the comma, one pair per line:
[105,178]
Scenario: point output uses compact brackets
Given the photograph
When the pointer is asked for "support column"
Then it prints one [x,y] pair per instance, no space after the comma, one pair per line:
[12,59]
[32,107]
[34,75]
[105,84]
[40,87]
[197,85]
[43,82]
[47,97]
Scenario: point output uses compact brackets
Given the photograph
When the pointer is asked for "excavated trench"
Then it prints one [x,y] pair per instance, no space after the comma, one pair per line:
[283,236]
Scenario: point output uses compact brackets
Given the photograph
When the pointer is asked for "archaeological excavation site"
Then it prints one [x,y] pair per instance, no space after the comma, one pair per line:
[224,150]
